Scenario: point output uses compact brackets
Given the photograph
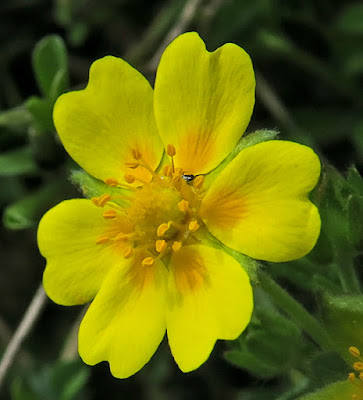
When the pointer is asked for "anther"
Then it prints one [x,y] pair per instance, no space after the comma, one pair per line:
[351,377]
[132,164]
[111,181]
[162,229]
[354,351]
[198,182]
[170,150]
[147,262]
[193,226]
[136,154]
[176,246]
[121,237]
[128,252]
[109,214]
[358,366]
[160,245]
[103,200]
[168,170]
[183,205]
[129,178]
[102,239]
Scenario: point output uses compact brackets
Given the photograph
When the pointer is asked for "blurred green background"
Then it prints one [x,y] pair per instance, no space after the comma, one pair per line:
[308,58]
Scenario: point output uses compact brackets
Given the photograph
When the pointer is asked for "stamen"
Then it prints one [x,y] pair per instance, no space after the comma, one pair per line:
[147,262]
[183,205]
[354,351]
[162,229]
[129,178]
[111,181]
[132,164]
[102,239]
[104,199]
[198,182]
[170,150]
[128,252]
[160,245]
[168,171]
[358,366]
[176,246]
[193,226]
[121,237]
[136,154]
[109,214]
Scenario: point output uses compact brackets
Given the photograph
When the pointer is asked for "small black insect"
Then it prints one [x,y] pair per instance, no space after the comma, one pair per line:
[188,178]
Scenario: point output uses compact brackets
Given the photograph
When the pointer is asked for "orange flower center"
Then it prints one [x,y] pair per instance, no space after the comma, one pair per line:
[162,212]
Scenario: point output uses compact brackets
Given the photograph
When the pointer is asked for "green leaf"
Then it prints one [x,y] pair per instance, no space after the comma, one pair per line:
[335,391]
[50,57]
[355,180]
[351,20]
[26,212]
[17,119]
[41,111]
[17,162]
[21,390]
[355,220]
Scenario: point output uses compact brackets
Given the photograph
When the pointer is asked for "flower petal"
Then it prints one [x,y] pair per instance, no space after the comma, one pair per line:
[76,265]
[259,203]
[126,322]
[209,298]
[203,101]
[100,125]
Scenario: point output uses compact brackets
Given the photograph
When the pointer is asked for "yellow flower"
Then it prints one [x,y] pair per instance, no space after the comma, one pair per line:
[141,253]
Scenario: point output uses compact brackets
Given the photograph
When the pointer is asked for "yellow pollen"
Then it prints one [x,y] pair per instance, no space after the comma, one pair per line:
[147,262]
[121,237]
[102,239]
[354,351]
[358,366]
[132,164]
[198,182]
[128,252]
[111,181]
[183,205]
[162,229]
[160,245]
[129,178]
[176,246]
[193,226]
[136,154]
[170,150]
[109,214]
[351,377]
[168,170]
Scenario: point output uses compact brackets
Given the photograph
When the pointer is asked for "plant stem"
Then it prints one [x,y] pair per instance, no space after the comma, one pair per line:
[32,313]
[296,311]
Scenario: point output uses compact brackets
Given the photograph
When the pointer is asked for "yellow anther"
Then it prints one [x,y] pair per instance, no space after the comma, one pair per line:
[147,262]
[111,181]
[136,154]
[351,377]
[354,351]
[160,245]
[121,237]
[103,200]
[128,252]
[129,178]
[102,239]
[361,376]
[109,214]
[170,150]
[168,170]
[183,205]
[95,201]
[358,366]
[132,164]
[162,229]
[198,182]
[193,226]
[176,246]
